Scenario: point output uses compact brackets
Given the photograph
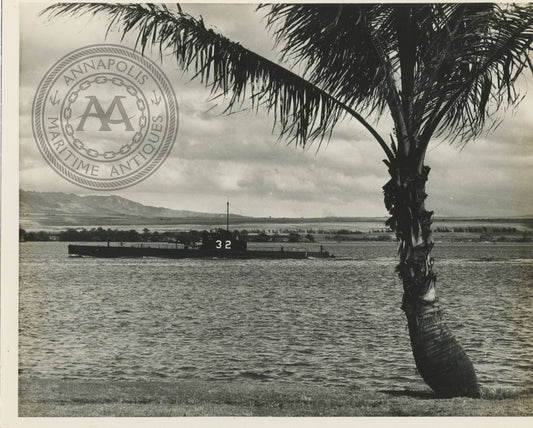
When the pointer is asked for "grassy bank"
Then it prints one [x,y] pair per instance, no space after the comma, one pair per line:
[64,398]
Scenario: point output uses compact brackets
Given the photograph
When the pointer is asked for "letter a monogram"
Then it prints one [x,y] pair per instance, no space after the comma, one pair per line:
[105,116]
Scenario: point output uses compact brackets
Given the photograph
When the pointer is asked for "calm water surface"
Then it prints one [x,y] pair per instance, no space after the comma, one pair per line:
[324,322]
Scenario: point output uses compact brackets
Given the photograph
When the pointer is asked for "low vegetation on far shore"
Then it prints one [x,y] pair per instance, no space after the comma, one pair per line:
[453,234]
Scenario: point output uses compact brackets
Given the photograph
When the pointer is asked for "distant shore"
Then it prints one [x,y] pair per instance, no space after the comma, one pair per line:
[70,398]
[51,221]
[323,233]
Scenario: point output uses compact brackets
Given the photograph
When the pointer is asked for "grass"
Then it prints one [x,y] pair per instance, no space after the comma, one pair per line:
[66,398]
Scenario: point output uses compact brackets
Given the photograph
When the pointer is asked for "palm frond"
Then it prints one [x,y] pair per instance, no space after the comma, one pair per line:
[487,48]
[326,41]
[438,68]
[453,65]
[350,49]
[302,110]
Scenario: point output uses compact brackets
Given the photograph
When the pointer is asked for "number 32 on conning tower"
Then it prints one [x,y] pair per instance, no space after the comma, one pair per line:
[227,244]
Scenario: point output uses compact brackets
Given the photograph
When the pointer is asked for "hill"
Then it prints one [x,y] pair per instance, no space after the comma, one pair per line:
[40,203]
[46,211]
[43,209]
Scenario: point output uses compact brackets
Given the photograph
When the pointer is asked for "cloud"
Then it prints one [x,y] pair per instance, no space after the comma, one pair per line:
[238,156]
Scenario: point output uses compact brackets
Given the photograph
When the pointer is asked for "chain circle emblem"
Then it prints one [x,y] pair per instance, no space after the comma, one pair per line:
[105,117]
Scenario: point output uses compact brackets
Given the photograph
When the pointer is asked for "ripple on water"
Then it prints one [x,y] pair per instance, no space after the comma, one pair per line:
[335,322]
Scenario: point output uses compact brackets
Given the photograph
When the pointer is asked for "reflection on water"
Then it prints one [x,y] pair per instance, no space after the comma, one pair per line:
[330,322]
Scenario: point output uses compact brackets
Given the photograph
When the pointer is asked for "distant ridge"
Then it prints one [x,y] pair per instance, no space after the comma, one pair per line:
[56,209]
[69,204]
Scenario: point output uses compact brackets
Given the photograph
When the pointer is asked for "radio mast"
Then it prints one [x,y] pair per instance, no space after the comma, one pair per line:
[227,216]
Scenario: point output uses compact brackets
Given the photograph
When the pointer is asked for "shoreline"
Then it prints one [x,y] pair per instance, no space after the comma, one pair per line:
[40,397]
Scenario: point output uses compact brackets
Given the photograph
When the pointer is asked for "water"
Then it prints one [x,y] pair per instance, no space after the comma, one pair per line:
[322,322]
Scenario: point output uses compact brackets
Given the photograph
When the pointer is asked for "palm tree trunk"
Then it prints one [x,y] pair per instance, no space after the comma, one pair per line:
[440,359]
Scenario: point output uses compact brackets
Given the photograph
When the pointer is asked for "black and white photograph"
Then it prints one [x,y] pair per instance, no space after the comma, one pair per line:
[266,210]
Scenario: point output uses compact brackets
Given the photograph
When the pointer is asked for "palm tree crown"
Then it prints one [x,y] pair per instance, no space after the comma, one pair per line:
[439,69]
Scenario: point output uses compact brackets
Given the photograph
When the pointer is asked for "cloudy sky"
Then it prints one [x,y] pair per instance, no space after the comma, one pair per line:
[217,157]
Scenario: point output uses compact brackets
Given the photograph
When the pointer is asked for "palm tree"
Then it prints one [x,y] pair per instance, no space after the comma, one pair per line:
[438,70]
